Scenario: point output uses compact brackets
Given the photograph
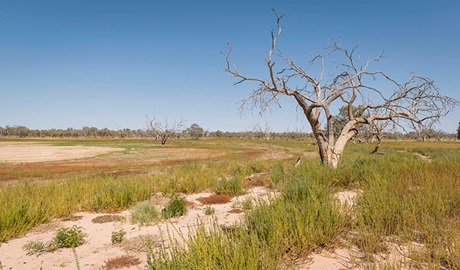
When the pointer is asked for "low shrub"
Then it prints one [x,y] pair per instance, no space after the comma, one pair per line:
[145,213]
[175,208]
[69,237]
[118,236]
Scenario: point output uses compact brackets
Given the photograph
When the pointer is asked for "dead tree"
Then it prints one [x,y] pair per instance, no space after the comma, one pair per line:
[351,83]
[262,132]
[162,130]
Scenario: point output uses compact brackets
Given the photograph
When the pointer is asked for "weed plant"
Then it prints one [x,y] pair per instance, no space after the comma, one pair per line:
[69,237]
[118,236]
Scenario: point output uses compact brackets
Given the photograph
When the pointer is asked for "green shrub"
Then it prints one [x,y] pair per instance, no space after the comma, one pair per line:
[175,208]
[69,237]
[118,236]
[145,213]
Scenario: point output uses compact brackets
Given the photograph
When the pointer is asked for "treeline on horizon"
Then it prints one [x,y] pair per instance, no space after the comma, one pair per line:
[196,132]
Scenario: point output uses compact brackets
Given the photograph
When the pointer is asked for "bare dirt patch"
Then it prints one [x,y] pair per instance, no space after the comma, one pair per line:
[22,152]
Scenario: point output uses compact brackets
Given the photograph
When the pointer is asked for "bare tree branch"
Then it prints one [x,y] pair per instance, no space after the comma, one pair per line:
[378,96]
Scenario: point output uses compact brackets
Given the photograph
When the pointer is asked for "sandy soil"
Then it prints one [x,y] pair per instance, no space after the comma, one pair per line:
[22,152]
[98,247]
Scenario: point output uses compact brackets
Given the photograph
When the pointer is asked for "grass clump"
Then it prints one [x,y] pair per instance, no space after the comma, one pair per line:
[145,213]
[176,207]
[35,247]
[118,236]
[231,186]
[304,219]
[214,249]
[209,210]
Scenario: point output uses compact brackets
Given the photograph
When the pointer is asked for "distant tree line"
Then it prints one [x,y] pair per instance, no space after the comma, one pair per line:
[197,132]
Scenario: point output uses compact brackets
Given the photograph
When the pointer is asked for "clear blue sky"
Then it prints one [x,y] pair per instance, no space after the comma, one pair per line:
[109,63]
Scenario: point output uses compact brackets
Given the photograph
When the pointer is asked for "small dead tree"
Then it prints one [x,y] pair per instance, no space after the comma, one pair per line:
[351,83]
[263,132]
[162,130]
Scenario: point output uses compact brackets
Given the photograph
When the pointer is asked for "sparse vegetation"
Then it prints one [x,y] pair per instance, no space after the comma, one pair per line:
[404,199]
[64,238]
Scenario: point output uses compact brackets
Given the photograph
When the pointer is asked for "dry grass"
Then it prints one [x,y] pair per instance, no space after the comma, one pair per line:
[215,199]
[108,218]
[257,180]
[121,262]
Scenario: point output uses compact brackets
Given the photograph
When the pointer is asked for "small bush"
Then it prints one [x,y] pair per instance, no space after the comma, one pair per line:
[209,210]
[34,247]
[121,262]
[69,237]
[215,199]
[175,208]
[145,212]
[118,236]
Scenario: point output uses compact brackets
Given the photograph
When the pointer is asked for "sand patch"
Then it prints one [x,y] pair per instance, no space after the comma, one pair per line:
[21,152]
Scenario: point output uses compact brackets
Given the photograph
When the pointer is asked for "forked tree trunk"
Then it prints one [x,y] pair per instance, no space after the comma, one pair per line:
[331,154]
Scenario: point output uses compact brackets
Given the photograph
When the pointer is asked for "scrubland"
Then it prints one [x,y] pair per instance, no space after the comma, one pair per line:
[407,196]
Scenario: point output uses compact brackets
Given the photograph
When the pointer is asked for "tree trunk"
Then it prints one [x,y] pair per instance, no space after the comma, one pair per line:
[330,156]
[376,149]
